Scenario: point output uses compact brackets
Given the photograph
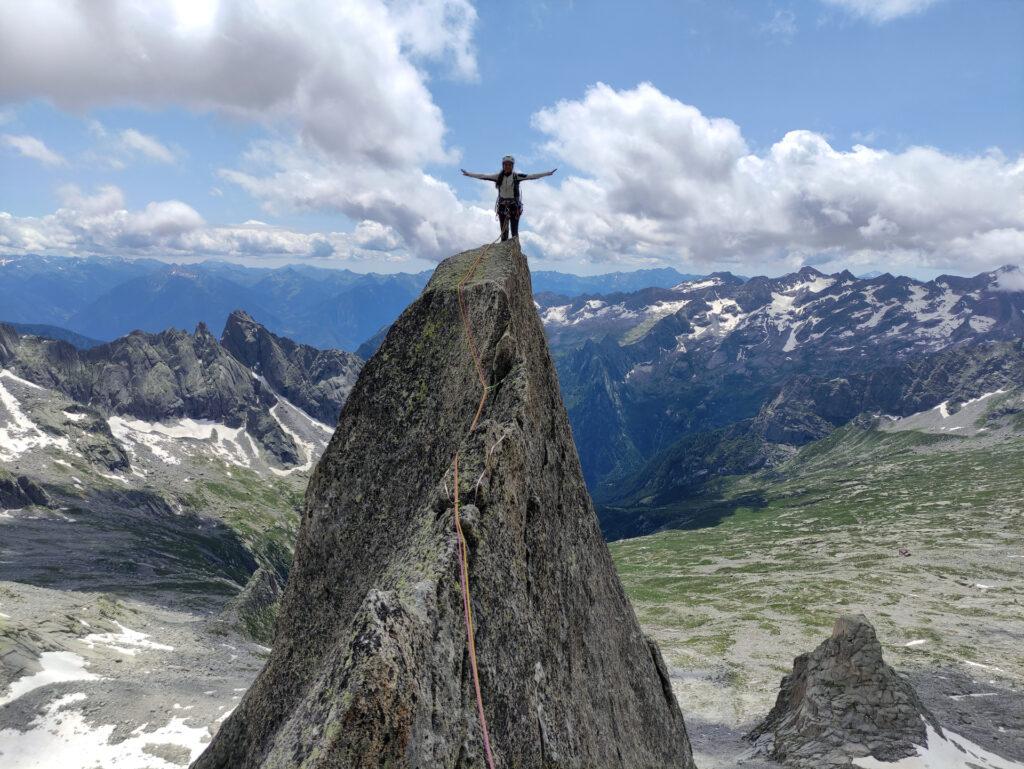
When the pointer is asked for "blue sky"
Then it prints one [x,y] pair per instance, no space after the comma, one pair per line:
[752,136]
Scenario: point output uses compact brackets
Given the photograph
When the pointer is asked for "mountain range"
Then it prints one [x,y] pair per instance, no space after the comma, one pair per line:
[102,298]
[642,371]
[651,363]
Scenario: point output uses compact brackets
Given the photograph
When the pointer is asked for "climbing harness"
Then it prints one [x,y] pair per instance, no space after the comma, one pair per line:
[467,607]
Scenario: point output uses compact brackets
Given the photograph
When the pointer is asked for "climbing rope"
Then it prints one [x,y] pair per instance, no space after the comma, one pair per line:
[467,607]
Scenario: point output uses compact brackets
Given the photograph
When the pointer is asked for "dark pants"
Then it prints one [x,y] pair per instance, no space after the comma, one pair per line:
[509,211]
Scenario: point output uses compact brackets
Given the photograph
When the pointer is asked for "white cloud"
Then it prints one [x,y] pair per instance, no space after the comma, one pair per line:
[106,198]
[880,11]
[1010,279]
[659,181]
[340,86]
[434,29]
[31,147]
[342,74]
[422,211]
[100,224]
[134,141]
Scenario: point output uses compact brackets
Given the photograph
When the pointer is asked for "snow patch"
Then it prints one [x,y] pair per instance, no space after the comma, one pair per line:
[723,316]
[18,433]
[230,444]
[1000,391]
[556,315]
[61,737]
[696,285]
[308,447]
[128,641]
[57,667]
[15,378]
[981,323]
[943,752]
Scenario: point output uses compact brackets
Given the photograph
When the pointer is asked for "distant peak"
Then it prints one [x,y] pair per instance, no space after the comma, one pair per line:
[240,316]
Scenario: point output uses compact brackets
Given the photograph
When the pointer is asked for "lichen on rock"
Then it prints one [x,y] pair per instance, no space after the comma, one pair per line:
[841,702]
[369,666]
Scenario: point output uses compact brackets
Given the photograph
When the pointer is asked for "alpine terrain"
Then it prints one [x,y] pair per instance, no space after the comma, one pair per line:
[150,491]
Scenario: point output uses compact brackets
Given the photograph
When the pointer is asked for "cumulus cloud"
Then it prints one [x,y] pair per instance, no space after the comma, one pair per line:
[880,11]
[339,84]
[425,213]
[659,181]
[343,74]
[31,147]
[99,223]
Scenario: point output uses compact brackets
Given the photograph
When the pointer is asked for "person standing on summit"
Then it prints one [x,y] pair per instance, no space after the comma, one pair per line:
[509,205]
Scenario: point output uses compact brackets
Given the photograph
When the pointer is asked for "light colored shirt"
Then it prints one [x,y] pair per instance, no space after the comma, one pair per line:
[508,187]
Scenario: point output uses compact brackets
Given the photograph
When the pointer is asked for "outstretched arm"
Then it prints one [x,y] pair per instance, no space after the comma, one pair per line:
[485,177]
[541,175]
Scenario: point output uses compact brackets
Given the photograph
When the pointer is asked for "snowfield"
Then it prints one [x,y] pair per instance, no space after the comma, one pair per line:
[127,641]
[232,444]
[18,433]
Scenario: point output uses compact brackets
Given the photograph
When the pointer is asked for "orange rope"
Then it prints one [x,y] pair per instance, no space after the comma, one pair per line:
[463,548]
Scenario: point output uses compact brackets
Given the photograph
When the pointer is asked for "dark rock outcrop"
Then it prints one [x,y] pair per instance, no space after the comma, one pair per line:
[841,702]
[253,611]
[21,492]
[369,666]
[317,381]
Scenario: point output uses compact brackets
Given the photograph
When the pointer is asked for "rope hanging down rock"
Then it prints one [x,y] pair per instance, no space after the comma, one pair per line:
[463,548]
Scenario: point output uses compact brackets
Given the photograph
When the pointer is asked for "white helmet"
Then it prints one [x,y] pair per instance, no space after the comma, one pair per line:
[508,159]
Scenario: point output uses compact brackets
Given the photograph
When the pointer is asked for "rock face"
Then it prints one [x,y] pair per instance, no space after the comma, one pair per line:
[253,611]
[841,702]
[20,491]
[807,408]
[154,377]
[317,381]
[369,666]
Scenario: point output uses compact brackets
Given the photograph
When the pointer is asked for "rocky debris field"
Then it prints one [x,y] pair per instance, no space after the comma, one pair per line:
[87,679]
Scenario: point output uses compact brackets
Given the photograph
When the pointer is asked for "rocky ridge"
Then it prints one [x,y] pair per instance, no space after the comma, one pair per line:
[315,380]
[641,370]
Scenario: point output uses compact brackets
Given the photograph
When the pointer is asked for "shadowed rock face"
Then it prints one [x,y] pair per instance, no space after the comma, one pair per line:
[369,666]
[842,701]
[317,381]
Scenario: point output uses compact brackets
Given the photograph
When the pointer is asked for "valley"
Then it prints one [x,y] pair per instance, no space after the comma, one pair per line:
[731,603]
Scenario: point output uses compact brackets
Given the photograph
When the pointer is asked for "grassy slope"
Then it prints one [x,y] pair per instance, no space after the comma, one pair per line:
[737,601]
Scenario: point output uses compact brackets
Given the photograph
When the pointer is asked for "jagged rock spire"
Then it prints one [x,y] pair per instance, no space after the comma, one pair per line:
[369,666]
[841,702]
